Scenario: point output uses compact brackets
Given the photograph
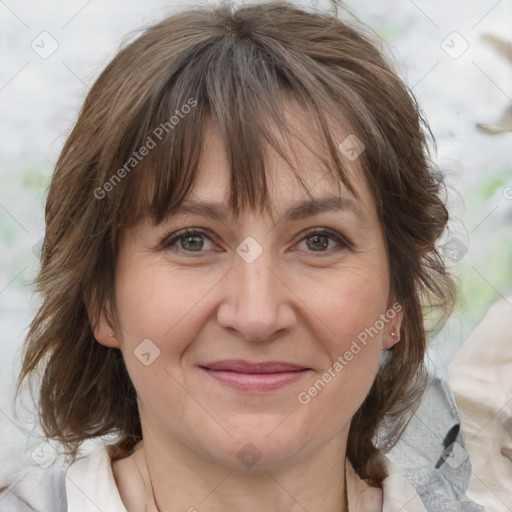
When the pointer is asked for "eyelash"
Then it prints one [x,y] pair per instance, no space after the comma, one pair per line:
[309,233]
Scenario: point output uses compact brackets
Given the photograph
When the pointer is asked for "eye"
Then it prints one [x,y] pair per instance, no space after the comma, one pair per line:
[192,240]
[317,240]
[189,240]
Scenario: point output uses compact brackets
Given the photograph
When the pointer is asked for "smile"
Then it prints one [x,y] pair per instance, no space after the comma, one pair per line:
[246,376]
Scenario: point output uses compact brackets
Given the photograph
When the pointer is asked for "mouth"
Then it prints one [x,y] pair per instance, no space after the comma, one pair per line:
[255,376]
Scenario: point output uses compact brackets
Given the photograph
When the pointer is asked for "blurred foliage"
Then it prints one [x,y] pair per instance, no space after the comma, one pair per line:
[485,273]
[36,178]
[487,189]
[392,32]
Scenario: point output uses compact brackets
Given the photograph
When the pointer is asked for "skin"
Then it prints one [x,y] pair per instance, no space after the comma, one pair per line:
[294,303]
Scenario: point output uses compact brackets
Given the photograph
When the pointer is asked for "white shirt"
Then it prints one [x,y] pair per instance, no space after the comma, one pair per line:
[90,487]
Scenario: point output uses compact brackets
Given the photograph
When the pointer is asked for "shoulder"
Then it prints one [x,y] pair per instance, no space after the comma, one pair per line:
[398,493]
[395,493]
[31,475]
[90,484]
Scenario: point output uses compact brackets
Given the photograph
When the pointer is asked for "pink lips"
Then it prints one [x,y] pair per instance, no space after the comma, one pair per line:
[243,375]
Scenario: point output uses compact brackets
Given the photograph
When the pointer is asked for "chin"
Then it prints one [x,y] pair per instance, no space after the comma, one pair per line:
[264,445]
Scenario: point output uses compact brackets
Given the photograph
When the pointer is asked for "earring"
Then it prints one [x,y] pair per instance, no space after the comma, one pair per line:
[111,334]
[396,335]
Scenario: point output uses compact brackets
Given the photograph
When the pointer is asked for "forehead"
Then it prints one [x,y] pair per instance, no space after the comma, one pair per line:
[279,168]
[302,179]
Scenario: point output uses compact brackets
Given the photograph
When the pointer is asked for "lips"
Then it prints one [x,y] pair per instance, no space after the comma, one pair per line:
[241,366]
[254,377]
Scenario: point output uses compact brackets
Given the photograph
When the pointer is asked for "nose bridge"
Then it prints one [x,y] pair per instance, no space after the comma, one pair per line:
[253,269]
[254,301]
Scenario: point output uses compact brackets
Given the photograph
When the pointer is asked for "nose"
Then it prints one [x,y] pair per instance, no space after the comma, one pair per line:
[257,304]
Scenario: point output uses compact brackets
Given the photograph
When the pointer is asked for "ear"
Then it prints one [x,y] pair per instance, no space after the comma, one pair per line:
[103,332]
[391,335]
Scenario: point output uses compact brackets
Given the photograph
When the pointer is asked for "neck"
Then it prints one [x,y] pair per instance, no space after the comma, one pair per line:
[182,480]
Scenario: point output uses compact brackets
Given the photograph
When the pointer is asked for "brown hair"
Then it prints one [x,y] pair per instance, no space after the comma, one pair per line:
[234,66]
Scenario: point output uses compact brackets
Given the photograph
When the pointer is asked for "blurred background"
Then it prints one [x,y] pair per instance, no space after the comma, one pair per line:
[456,56]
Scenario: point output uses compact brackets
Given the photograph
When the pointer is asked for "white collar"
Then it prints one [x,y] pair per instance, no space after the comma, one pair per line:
[396,493]
[90,487]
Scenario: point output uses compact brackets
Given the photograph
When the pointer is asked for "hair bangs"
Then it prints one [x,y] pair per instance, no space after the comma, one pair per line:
[243,91]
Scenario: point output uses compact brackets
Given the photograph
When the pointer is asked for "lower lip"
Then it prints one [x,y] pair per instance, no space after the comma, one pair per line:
[256,381]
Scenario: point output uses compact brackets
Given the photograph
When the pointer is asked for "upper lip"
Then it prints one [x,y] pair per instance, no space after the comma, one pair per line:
[241,366]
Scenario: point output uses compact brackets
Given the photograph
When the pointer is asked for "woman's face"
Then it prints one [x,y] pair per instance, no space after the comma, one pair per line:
[199,314]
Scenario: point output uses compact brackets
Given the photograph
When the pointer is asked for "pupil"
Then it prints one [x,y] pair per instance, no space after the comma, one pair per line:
[190,239]
[317,241]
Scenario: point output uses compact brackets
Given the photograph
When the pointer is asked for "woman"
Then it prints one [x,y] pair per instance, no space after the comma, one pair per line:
[240,249]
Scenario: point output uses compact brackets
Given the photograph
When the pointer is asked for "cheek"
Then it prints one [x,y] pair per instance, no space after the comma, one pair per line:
[352,345]
[350,333]
[166,307]
[346,303]
[158,317]
[150,299]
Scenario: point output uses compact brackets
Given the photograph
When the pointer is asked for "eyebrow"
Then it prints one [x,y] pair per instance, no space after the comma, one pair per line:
[299,210]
